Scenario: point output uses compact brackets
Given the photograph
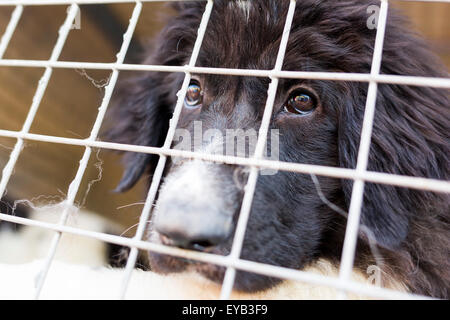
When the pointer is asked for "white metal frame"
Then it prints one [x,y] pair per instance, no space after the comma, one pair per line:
[360,175]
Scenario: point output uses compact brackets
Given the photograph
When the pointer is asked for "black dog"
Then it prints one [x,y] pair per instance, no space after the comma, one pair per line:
[319,122]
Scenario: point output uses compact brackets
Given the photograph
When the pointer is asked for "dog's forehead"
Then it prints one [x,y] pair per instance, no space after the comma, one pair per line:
[239,35]
[247,35]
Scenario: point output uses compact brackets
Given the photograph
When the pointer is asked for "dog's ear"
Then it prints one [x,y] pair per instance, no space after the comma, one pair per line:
[139,116]
[408,138]
[410,135]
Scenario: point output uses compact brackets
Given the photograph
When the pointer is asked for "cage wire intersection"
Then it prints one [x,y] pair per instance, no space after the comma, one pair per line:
[232,262]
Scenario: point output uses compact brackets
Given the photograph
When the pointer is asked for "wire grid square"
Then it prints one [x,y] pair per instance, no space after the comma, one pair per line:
[360,175]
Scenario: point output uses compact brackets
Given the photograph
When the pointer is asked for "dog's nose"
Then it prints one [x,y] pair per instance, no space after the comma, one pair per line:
[193,228]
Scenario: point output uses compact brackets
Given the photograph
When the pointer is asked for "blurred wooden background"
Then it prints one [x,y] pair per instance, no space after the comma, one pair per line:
[71,100]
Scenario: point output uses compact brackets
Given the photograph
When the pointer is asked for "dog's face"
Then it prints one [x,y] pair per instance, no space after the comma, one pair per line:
[199,202]
[313,122]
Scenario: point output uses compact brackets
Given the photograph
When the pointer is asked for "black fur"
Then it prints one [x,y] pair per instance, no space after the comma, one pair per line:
[289,224]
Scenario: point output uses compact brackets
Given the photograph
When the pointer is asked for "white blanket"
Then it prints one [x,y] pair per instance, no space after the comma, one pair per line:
[69,281]
[79,271]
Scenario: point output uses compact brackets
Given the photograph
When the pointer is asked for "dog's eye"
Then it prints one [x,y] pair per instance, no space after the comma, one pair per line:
[194,95]
[301,103]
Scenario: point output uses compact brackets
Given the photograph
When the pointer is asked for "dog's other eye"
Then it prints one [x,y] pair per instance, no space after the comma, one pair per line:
[194,95]
[301,103]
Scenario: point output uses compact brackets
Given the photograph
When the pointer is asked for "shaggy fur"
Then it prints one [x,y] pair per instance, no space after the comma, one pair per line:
[289,224]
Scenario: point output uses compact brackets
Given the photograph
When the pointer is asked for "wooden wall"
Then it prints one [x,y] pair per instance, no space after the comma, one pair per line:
[71,100]
[432,20]
[68,109]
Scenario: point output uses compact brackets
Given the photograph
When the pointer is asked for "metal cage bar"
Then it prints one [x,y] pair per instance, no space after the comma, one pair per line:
[15,17]
[250,187]
[335,172]
[245,265]
[313,75]
[157,175]
[354,214]
[75,184]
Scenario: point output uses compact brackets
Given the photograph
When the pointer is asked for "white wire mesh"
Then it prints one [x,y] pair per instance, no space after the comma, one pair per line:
[354,214]
[360,175]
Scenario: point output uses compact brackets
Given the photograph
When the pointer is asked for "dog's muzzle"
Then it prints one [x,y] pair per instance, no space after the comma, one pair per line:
[196,206]
[193,227]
